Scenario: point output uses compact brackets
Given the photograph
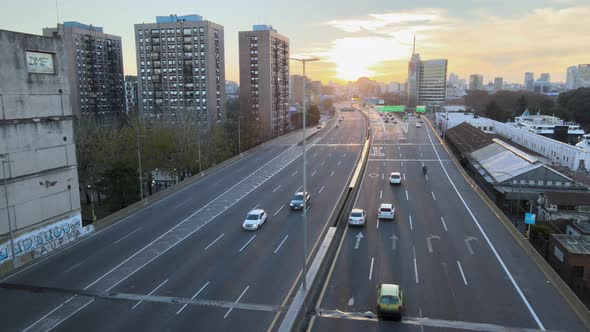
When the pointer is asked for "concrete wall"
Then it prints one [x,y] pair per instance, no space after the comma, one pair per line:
[36,139]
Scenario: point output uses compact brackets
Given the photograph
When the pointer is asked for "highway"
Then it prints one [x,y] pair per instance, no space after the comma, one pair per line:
[458,266]
[191,246]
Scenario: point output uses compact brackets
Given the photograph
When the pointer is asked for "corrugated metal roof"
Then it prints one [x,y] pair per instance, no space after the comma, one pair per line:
[574,244]
[568,198]
[502,164]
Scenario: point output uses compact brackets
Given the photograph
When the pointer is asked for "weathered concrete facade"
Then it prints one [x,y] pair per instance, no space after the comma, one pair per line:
[38,173]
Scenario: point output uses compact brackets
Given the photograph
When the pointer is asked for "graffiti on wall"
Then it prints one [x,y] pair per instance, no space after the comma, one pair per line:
[45,239]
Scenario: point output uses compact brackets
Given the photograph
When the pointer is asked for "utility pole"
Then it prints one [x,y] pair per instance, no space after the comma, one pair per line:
[140,171]
[7,161]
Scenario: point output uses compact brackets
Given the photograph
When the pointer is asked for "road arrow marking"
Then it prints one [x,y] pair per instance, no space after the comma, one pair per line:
[429,241]
[469,248]
[394,241]
[358,238]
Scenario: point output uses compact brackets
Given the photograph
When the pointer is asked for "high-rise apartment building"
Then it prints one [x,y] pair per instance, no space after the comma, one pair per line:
[181,69]
[131,94]
[264,79]
[95,70]
[529,80]
[498,84]
[296,86]
[475,82]
[570,80]
[427,81]
[582,76]
[545,77]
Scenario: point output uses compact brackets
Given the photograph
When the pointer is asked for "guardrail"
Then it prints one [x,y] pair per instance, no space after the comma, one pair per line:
[296,318]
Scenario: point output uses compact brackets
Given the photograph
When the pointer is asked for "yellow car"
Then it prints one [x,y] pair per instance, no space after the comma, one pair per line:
[389,301]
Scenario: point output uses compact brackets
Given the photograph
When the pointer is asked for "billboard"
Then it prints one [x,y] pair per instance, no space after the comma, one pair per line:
[420,109]
[391,109]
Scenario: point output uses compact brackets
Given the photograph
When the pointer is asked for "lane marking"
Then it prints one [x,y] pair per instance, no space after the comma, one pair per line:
[444,224]
[277,188]
[462,274]
[238,300]
[382,176]
[220,236]
[378,223]
[404,175]
[192,298]
[150,293]
[339,162]
[381,194]
[415,264]
[402,164]
[323,162]
[330,155]
[411,225]
[344,156]
[332,173]
[185,201]
[426,175]
[279,210]
[502,264]
[73,267]
[294,173]
[279,247]
[312,174]
[300,187]
[371,270]
[257,205]
[407,197]
[434,197]
[322,188]
[121,239]
[216,183]
[244,246]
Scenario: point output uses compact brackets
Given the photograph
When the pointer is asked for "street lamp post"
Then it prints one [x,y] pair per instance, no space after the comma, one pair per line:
[7,161]
[304,214]
[239,136]
[140,171]
[92,204]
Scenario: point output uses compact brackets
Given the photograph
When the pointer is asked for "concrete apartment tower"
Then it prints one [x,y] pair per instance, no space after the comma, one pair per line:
[427,81]
[95,70]
[264,80]
[529,81]
[475,82]
[39,194]
[498,84]
[181,69]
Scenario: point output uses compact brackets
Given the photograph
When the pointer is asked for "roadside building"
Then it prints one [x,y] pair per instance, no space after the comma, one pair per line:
[559,205]
[569,255]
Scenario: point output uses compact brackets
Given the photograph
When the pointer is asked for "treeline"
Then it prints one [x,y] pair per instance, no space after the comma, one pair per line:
[502,106]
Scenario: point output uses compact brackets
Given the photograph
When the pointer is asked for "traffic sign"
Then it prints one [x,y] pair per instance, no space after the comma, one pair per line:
[529,218]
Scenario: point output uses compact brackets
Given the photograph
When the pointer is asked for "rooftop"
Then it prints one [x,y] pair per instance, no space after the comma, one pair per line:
[172,18]
[568,198]
[574,244]
[263,27]
[74,24]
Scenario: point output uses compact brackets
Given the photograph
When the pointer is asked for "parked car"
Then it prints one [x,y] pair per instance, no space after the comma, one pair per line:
[386,211]
[395,178]
[297,201]
[357,217]
[255,219]
[389,301]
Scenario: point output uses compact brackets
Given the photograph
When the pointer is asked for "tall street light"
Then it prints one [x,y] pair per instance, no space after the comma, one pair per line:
[140,171]
[304,214]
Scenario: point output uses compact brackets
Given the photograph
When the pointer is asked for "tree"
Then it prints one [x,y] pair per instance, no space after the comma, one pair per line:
[312,115]
[576,105]
[493,111]
[521,105]
[119,183]
[477,100]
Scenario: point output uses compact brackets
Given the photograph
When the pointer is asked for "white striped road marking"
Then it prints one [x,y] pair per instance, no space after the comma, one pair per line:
[279,247]
[415,264]
[434,197]
[382,176]
[322,188]
[444,224]
[411,225]
[244,246]
[462,274]
[404,174]
[407,197]
[339,162]
[312,174]
[371,270]
[119,240]
[426,175]
[152,292]
[257,205]
[277,188]
[279,210]
[294,173]
[210,244]
[330,155]
[185,201]
[332,173]
[73,267]
[323,162]
[192,298]
[238,300]
[381,194]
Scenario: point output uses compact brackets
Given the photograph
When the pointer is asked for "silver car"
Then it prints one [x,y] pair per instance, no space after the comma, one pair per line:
[357,217]
[255,219]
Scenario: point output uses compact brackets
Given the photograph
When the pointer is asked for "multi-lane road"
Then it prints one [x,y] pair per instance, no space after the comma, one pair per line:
[457,264]
[191,245]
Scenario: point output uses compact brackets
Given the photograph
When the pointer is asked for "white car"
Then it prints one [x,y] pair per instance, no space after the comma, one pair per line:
[395,178]
[418,125]
[386,211]
[357,217]
[254,219]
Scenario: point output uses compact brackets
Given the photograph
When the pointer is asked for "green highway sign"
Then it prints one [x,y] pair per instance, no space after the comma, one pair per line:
[420,109]
[391,109]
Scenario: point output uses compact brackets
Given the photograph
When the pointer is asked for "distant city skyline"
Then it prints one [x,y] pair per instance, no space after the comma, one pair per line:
[497,38]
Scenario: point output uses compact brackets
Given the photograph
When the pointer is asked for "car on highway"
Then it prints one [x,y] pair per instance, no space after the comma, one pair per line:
[395,178]
[297,201]
[418,125]
[386,211]
[319,126]
[337,124]
[255,219]
[357,217]
[389,301]
[386,121]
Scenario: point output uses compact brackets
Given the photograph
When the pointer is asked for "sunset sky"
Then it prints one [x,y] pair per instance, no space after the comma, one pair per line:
[370,38]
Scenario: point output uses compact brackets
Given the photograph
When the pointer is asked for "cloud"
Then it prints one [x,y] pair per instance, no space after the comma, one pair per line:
[544,39]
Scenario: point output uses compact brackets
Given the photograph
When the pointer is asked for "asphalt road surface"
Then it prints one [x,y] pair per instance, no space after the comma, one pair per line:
[457,264]
[191,245]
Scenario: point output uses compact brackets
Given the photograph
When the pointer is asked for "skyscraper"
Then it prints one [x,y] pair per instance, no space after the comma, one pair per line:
[475,82]
[95,70]
[570,81]
[545,77]
[264,79]
[181,69]
[498,84]
[131,94]
[427,81]
[583,76]
[529,80]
